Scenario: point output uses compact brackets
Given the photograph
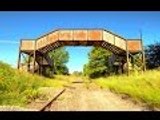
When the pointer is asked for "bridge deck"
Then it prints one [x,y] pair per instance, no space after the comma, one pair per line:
[81,37]
[37,48]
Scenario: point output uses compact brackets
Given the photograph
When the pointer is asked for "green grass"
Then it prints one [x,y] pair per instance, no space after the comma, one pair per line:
[141,87]
[57,81]
[19,88]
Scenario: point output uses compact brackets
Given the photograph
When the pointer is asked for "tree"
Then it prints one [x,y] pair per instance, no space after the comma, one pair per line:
[26,59]
[77,73]
[60,57]
[153,56]
[98,63]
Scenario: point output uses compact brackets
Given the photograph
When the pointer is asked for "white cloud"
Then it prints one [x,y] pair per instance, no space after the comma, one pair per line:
[9,42]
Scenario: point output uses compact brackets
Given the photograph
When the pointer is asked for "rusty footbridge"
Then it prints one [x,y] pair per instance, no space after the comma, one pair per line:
[37,49]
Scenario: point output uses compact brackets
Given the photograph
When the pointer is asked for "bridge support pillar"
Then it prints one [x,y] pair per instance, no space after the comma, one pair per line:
[41,67]
[143,54]
[144,61]
[143,58]
[19,59]
[19,56]
[28,63]
[34,57]
[127,58]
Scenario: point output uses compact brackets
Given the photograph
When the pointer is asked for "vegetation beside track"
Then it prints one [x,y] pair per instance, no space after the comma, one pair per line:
[19,88]
[141,87]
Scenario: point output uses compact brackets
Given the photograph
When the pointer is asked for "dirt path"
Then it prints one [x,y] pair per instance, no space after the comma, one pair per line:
[92,99]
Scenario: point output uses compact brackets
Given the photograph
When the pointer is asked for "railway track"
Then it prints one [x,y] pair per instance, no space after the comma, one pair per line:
[47,106]
[76,102]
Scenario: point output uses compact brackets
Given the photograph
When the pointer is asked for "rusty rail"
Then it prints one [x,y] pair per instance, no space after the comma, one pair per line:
[48,104]
[70,87]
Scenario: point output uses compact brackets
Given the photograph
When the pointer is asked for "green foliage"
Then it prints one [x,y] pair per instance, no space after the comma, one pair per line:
[6,71]
[13,85]
[26,58]
[153,55]
[141,87]
[60,57]
[19,88]
[98,63]
[77,73]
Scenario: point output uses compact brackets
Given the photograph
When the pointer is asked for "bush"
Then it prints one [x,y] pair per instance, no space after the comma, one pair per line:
[17,87]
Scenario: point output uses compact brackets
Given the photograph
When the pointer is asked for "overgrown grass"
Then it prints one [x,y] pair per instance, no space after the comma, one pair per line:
[18,87]
[58,81]
[142,87]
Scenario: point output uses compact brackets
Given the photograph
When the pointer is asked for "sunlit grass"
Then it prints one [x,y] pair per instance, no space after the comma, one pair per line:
[19,88]
[144,87]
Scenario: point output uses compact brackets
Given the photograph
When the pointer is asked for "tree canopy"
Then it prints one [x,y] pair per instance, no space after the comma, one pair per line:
[60,57]
[98,62]
[153,55]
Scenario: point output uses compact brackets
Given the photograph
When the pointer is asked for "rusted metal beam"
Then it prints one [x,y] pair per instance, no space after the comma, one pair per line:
[19,59]
[67,86]
[139,61]
[19,56]
[127,56]
[48,104]
[29,61]
[143,53]
[34,57]
[40,66]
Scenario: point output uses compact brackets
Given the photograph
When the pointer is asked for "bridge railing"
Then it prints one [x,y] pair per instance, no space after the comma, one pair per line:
[27,45]
[47,39]
[69,35]
[134,45]
[114,40]
[82,35]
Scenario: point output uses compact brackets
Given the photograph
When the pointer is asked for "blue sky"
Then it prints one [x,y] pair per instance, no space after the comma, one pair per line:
[17,25]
